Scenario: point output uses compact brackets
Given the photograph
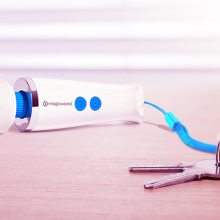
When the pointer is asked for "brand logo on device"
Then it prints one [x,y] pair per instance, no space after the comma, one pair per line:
[45,103]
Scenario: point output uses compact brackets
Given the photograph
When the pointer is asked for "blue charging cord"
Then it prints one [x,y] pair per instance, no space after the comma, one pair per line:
[181,130]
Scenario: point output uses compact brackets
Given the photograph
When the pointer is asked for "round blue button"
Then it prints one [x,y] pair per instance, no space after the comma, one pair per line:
[95,103]
[80,103]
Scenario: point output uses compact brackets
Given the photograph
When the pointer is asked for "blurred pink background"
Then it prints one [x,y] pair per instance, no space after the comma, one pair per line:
[96,40]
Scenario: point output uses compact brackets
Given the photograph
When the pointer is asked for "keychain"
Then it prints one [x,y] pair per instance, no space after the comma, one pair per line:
[196,170]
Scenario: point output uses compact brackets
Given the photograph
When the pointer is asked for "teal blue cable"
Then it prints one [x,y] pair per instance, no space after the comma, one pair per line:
[155,106]
[181,130]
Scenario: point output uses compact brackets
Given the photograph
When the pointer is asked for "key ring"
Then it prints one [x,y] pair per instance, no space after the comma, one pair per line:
[218,155]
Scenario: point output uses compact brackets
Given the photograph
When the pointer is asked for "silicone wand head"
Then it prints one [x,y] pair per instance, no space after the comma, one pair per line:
[7,106]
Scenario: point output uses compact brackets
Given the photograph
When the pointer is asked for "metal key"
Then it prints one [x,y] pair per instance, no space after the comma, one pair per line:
[197,170]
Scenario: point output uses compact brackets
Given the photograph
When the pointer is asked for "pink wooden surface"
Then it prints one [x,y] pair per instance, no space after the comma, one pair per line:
[82,173]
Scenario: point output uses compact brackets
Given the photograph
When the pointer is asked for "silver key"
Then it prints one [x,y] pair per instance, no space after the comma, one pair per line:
[197,170]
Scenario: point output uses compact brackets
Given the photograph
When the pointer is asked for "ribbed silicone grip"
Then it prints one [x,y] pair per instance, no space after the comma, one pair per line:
[24,104]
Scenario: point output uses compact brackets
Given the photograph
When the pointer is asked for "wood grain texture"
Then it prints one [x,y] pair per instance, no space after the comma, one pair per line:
[82,173]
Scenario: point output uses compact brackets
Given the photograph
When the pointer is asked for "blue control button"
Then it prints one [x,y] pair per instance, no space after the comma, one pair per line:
[95,103]
[80,103]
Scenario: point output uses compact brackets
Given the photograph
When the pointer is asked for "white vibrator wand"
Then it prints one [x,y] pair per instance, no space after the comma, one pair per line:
[45,104]
[35,104]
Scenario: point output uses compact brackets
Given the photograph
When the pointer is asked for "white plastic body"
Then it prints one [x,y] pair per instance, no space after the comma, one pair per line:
[119,103]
